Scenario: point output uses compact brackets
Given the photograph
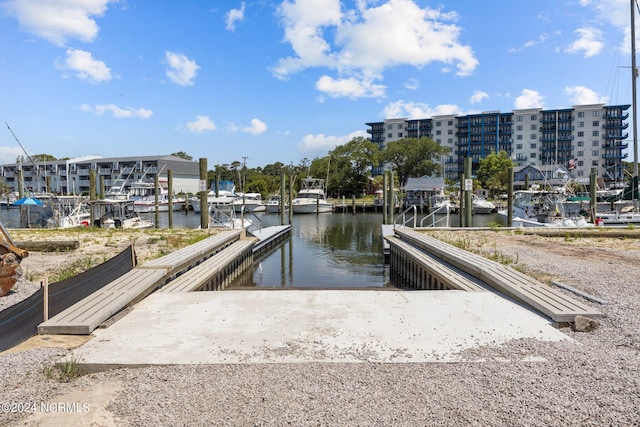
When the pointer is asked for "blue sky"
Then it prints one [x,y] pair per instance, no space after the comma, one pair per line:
[286,80]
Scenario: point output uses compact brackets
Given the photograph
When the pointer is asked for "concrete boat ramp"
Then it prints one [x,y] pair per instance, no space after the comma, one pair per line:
[298,326]
[174,326]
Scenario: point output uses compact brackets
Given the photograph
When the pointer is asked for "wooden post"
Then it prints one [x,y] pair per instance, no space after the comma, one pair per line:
[353,203]
[170,188]
[290,198]
[156,184]
[592,194]
[45,297]
[468,218]
[102,191]
[204,205]
[510,198]
[282,207]
[385,178]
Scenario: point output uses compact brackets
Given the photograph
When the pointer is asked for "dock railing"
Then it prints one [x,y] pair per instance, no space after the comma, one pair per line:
[405,220]
[437,222]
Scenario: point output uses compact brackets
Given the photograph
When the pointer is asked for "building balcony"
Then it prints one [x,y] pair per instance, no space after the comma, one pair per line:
[611,114]
[615,156]
[607,125]
[624,136]
[610,146]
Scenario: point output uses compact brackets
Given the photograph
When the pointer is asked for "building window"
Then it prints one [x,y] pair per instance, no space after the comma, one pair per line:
[580,124]
[596,114]
[438,132]
[399,134]
[532,155]
[534,136]
[450,132]
[534,117]
[519,127]
[580,113]
[595,153]
[595,143]
[580,143]
[596,123]
[533,146]
[594,163]
[389,135]
[580,153]
[580,134]
[534,126]
[450,122]
[399,126]
[518,146]
[519,137]
[595,133]
[438,124]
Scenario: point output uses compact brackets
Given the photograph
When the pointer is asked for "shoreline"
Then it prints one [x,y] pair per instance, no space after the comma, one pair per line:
[593,383]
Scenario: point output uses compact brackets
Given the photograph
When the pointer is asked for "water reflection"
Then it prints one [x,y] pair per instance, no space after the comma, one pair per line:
[337,250]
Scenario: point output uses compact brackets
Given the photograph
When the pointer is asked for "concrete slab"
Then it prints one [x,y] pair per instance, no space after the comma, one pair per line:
[297,326]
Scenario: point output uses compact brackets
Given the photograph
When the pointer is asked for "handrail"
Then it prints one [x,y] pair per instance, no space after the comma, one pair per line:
[403,215]
[433,217]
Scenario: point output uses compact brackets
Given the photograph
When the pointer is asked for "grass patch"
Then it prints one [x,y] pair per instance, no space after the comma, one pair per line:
[64,372]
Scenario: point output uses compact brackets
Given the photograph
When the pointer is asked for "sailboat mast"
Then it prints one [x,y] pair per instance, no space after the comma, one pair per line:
[634,76]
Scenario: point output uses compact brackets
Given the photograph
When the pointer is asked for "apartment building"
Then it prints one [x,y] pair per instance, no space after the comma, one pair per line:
[66,177]
[578,138]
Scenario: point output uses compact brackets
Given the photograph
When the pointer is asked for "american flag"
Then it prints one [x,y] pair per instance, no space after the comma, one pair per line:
[572,163]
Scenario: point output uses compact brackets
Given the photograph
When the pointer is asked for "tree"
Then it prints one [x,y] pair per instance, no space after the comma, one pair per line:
[493,172]
[182,155]
[349,166]
[43,158]
[413,156]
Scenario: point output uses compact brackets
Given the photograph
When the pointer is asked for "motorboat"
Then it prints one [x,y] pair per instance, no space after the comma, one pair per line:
[110,213]
[143,194]
[311,198]
[225,216]
[225,195]
[535,208]
[273,204]
[482,205]
[252,202]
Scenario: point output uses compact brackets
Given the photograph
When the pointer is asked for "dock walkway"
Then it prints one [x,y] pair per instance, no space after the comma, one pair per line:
[508,281]
[87,314]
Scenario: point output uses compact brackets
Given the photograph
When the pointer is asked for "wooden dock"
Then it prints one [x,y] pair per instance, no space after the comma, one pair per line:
[421,250]
[210,264]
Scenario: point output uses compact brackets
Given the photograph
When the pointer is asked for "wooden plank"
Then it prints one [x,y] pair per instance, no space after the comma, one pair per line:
[446,273]
[87,314]
[504,279]
[196,277]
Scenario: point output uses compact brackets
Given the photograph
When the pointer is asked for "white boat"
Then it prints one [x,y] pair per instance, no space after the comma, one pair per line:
[273,204]
[225,216]
[118,214]
[143,194]
[252,202]
[482,205]
[70,213]
[618,217]
[311,198]
[533,208]
[226,196]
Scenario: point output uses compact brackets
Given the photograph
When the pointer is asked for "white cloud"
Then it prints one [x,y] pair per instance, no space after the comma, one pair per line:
[201,124]
[10,154]
[412,84]
[117,112]
[580,95]
[322,143]
[352,43]
[182,70]
[58,20]
[478,96]
[529,99]
[85,67]
[416,110]
[589,42]
[349,87]
[257,127]
[233,16]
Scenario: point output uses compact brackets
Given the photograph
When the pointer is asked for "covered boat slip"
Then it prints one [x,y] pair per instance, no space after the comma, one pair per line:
[410,248]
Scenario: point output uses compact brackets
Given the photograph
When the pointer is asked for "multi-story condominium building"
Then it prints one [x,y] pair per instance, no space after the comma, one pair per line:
[578,138]
[65,177]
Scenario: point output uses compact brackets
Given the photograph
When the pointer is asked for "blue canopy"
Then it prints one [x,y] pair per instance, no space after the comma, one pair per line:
[29,201]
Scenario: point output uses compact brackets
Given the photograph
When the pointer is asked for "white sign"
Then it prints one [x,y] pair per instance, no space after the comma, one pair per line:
[468,185]
[202,185]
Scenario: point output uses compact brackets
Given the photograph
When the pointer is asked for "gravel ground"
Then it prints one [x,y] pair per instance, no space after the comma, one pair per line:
[592,384]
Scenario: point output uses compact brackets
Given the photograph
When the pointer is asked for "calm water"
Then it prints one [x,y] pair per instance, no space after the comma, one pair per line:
[338,250]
